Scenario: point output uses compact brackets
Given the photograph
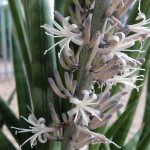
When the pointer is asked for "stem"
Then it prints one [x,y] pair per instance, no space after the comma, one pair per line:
[84,80]
[68,135]
[98,21]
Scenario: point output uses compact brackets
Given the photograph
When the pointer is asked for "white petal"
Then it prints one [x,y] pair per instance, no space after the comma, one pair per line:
[65,22]
[73,111]
[92,98]
[85,118]
[75,101]
[86,95]
[77,41]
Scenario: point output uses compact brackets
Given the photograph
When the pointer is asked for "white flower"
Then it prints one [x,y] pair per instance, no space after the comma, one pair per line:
[38,129]
[140,27]
[126,80]
[124,58]
[67,32]
[119,45]
[84,107]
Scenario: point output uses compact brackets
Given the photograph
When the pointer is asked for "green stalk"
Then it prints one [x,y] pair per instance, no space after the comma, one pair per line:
[98,21]
[85,81]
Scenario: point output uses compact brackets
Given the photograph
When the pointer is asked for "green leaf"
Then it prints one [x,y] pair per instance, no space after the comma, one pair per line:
[25,4]
[145,142]
[106,147]
[10,118]
[22,87]
[124,129]
[42,65]
[66,4]
[120,121]
[146,119]
[70,3]
[5,143]
[2,120]
[11,96]
[17,14]
[133,141]
[59,6]
[23,90]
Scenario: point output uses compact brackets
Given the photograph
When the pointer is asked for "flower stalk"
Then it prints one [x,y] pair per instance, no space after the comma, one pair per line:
[98,22]
[84,80]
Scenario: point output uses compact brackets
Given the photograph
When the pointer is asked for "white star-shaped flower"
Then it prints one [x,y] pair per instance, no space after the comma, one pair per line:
[38,129]
[67,32]
[84,107]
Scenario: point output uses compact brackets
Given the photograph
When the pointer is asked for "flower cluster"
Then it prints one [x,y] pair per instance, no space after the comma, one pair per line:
[107,65]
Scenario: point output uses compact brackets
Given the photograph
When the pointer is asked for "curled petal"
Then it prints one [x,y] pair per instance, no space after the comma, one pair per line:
[42,138]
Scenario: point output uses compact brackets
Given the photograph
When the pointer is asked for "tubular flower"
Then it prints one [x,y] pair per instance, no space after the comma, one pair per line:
[39,130]
[89,137]
[70,62]
[84,107]
[107,106]
[68,32]
[59,88]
